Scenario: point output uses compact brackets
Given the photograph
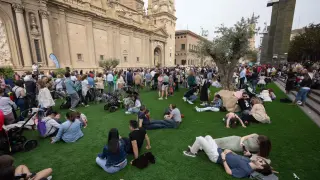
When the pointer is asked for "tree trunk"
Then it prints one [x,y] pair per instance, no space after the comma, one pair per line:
[226,75]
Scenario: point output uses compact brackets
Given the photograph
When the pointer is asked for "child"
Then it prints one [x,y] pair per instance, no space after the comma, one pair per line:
[136,108]
[262,81]
[82,118]
[215,106]
[232,119]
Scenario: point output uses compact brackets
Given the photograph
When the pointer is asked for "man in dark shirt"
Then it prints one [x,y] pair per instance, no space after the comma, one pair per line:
[136,139]
[235,165]
[129,78]
[244,103]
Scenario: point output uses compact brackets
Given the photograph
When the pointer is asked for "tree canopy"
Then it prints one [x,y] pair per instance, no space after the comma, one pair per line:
[109,63]
[231,44]
[306,45]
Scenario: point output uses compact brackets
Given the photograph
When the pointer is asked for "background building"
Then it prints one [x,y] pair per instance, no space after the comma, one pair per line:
[187,48]
[82,32]
[279,32]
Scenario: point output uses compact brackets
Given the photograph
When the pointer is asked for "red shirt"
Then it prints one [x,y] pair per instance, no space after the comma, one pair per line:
[1,120]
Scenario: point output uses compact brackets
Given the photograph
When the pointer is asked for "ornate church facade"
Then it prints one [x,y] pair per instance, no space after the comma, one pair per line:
[80,33]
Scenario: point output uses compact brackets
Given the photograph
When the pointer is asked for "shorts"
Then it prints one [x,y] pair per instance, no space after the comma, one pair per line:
[164,87]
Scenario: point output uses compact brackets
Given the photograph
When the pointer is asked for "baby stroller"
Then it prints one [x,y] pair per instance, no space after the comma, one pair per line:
[113,102]
[13,141]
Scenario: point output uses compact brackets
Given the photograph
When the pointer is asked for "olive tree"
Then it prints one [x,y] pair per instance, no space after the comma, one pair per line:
[231,44]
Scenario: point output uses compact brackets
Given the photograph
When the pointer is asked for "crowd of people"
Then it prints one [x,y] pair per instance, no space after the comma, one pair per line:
[35,89]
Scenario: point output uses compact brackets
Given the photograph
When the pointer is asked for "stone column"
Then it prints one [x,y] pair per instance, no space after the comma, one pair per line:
[64,46]
[110,43]
[47,37]
[24,41]
[90,42]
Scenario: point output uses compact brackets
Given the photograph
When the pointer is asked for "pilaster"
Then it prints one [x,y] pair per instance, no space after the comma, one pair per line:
[64,46]
[47,37]
[90,42]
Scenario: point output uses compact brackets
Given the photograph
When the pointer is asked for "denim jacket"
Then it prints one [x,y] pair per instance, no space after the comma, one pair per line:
[70,86]
[114,159]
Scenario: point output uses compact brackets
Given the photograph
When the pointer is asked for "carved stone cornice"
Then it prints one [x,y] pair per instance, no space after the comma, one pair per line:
[18,8]
[43,1]
[44,14]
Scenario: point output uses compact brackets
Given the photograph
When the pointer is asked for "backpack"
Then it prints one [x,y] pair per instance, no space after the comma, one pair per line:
[42,127]
[13,95]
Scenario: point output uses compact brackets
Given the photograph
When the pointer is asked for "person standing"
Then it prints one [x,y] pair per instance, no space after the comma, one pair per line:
[20,95]
[164,86]
[71,90]
[137,81]
[129,78]
[204,95]
[110,82]
[242,77]
[35,68]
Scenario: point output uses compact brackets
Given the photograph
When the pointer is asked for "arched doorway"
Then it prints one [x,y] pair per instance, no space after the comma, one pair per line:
[157,56]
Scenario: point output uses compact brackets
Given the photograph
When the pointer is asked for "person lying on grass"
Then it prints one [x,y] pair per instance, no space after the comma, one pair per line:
[214,106]
[146,123]
[113,157]
[234,165]
[231,120]
[253,143]
[70,130]
[136,138]
[22,172]
[257,114]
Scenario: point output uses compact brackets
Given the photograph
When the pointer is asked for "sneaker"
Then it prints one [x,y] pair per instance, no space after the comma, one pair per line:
[185,99]
[127,112]
[49,178]
[83,104]
[203,104]
[197,109]
[71,109]
[161,98]
[188,153]
[86,105]
[189,102]
[166,98]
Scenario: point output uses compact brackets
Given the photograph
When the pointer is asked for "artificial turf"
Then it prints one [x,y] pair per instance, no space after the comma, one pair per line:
[295,144]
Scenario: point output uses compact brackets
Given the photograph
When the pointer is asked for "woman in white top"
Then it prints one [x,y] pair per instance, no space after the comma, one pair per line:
[85,88]
[7,106]
[19,91]
[137,105]
[44,98]
[120,80]
[99,82]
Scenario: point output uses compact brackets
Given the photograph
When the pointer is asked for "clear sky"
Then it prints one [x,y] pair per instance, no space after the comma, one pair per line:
[194,14]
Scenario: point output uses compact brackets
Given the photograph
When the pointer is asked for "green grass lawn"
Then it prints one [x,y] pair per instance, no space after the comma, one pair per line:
[295,140]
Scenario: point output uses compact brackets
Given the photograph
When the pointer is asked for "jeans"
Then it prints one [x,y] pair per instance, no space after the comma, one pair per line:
[302,95]
[74,100]
[242,82]
[254,85]
[110,169]
[208,145]
[110,86]
[134,110]
[193,98]
[21,105]
[160,124]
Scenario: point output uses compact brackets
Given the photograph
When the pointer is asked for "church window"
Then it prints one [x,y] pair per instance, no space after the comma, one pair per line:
[125,58]
[37,48]
[101,57]
[80,57]
[170,54]
[138,59]
[183,46]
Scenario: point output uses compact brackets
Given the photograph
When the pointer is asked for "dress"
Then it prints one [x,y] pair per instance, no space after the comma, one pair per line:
[204,91]
[233,143]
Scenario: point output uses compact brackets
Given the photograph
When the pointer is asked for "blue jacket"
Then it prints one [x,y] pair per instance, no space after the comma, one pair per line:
[69,132]
[114,159]
[70,86]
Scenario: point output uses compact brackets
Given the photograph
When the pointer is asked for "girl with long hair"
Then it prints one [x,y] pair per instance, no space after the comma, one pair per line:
[113,157]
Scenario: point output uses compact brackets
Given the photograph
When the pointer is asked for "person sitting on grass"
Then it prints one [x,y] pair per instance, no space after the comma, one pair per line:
[52,125]
[244,103]
[137,104]
[253,143]
[214,106]
[189,95]
[174,117]
[231,120]
[82,118]
[146,123]
[10,172]
[70,130]
[7,107]
[136,138]
[234,165]
[113,157]
[258,113]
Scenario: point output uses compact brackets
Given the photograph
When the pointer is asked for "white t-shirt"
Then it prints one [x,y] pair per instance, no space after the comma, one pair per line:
[58,83]
[73,78]
[84,85]
[34,68]
[137,103]
[152,73]
[17,90]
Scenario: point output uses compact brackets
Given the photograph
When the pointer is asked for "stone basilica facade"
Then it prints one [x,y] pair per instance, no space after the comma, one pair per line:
[80,33]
